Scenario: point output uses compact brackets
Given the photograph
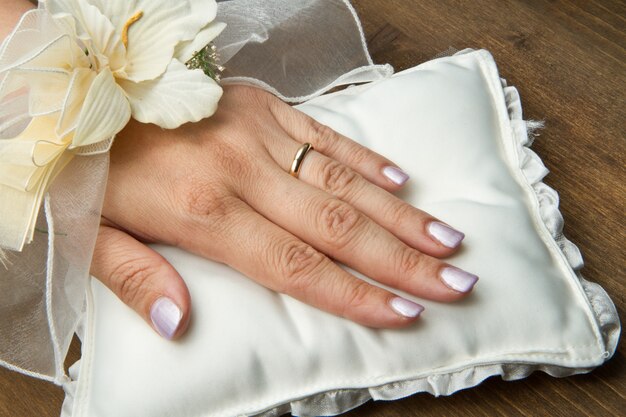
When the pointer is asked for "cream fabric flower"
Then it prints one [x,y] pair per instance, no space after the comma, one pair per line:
[74,72]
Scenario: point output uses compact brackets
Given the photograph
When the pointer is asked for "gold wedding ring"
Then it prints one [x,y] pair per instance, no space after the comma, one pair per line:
[297,160]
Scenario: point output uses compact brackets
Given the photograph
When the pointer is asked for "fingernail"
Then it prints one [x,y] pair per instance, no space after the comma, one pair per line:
[457,279]
[165,316]
[396,175]
[445,235]
[406,308]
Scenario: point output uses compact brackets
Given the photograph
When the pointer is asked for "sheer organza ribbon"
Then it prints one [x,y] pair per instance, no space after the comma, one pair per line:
[296,49]
[84,77]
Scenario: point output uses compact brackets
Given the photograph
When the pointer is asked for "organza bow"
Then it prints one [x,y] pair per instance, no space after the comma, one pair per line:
[89,66]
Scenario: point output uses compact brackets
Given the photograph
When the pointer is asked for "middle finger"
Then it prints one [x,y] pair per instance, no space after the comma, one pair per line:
[343,232]
[411,225]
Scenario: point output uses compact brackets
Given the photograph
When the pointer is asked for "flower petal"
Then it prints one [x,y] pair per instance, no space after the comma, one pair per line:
[61,11]
[179,96]
[117,11]
[153,38]
[186,50]
[120,11]
[104,113]
[105,41]
[59,6]
[79,85]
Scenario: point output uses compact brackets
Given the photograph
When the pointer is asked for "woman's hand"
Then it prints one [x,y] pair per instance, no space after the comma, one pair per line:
[221,188]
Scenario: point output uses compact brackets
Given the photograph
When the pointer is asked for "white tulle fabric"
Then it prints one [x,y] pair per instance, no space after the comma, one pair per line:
[296,49]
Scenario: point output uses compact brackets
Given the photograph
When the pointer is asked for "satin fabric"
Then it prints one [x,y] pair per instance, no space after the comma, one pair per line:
[458,131]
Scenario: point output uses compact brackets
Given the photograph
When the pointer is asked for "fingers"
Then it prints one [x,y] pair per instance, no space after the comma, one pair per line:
[371,165]
[352,172]
[344,233]
[411,225]
[280,261]
[143,280]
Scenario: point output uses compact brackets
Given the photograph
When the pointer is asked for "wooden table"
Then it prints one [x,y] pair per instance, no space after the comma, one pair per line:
[567,58]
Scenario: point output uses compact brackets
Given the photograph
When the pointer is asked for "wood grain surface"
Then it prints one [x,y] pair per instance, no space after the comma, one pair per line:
[567,58]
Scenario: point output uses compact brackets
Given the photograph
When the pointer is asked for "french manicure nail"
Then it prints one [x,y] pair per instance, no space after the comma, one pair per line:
[406,308]
[457,279]
[396,175]
[445,235]
[165,316]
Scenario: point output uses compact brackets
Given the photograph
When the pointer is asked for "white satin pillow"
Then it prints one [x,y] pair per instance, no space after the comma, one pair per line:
[249,351]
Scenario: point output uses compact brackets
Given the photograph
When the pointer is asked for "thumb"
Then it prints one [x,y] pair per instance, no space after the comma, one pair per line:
[143,280]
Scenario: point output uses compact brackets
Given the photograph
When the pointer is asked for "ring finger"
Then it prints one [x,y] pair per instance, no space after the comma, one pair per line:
[340,230]
[411,225]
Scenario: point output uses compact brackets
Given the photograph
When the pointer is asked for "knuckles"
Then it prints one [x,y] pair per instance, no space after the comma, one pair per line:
[203,198]
[361,154]
[409,262]
[358,295]
[337,222]
[398,213]
[297,264]
[205,204]
[338,179]
[130,279]
[234,161]
[322,136]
